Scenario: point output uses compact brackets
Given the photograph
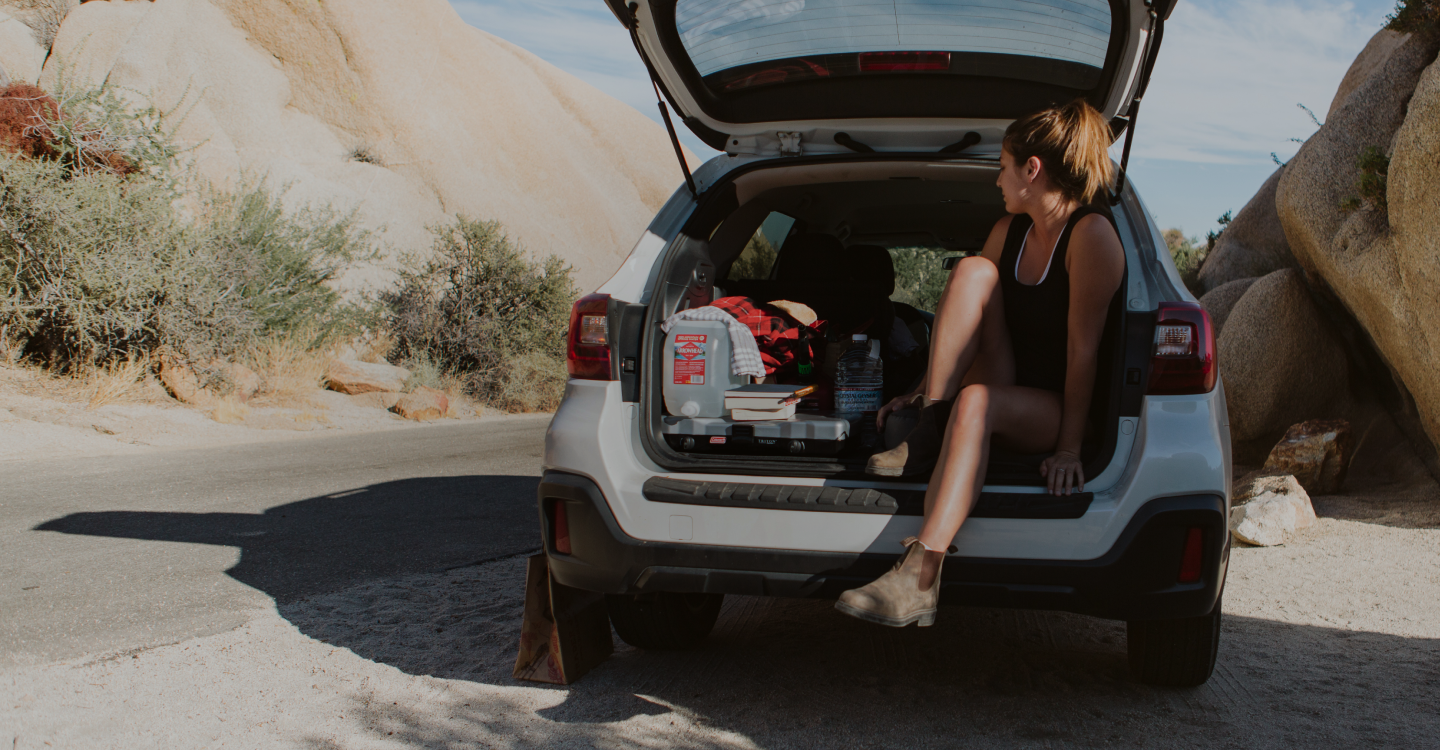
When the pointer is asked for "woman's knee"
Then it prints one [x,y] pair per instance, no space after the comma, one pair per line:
[976,271]
[973,403]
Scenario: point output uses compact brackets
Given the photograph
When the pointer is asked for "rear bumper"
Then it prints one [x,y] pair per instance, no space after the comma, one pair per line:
[1134,580]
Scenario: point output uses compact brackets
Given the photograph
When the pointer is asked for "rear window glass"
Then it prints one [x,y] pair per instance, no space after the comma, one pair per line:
[737,44]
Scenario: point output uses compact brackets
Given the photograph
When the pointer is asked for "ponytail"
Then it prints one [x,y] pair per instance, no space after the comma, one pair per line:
[1073,142]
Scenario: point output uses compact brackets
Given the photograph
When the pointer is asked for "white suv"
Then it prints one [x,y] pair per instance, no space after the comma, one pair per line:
[879,124]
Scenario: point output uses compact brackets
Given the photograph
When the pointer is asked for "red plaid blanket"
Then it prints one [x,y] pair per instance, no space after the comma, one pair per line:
[783,340]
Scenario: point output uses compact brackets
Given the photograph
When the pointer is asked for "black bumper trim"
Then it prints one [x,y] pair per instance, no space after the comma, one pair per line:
[1134,580]
[856,500]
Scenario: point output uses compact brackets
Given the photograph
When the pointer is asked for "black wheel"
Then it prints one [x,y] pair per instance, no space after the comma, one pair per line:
[1174,653]
[664,621]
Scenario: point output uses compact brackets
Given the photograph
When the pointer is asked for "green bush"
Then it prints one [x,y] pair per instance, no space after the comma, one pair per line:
[1373,184]
[755,260]
[98,267]
[483,312]
[919,276]
[1189,254]
[1414,16]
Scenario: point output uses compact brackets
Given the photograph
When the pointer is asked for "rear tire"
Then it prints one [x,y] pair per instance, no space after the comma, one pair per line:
[664,621]
[1174,653]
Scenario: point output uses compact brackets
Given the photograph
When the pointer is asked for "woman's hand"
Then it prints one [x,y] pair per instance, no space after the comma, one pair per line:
[899,402]
[1063,473]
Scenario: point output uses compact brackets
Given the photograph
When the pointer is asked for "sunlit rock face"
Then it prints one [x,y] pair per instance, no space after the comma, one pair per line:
[399,111]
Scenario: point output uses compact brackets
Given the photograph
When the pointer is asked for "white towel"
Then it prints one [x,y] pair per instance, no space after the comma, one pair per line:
[744,354]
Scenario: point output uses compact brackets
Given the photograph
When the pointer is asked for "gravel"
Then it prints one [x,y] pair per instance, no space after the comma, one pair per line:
[1334,638]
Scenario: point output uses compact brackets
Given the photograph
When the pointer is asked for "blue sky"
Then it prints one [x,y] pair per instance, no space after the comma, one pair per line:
[1222,98]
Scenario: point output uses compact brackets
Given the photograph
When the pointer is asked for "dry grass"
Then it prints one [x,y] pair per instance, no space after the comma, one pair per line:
[117,382]
[291,371]
[374,346]
[230,411]
[533,382]
[44,17]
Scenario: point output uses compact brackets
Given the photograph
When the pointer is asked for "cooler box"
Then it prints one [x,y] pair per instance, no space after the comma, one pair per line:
[801,435]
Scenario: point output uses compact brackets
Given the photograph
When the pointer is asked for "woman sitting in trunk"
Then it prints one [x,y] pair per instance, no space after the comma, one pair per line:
[1014,349]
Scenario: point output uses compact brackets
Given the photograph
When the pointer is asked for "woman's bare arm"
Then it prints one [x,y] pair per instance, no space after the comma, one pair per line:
[1096,263]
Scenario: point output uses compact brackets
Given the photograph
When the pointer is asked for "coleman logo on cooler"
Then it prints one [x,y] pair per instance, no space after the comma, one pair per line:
[717,440]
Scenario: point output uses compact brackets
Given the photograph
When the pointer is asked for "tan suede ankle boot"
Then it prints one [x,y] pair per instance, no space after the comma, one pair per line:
[917,453]
[895,598]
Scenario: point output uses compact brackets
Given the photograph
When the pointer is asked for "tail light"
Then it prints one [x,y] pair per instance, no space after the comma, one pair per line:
[1190,559]
[560,522]
[588,357]
[896,62]
[1183,360]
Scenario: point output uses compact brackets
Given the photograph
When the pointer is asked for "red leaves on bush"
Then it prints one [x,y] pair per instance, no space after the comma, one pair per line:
[26,114]
[24,110]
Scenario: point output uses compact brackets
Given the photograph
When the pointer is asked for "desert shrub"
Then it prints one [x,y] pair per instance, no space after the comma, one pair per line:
[1213,236]
[24,111]
[1372,186]
[481,310]
[44,18]
[534,381]
[99,267]
[755,260]
[1188,254]
[919,276]
[1414,16]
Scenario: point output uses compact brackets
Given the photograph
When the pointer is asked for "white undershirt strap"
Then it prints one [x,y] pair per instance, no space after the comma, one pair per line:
[1021,254]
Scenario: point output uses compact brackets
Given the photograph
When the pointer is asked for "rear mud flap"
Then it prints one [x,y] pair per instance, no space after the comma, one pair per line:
[566,631]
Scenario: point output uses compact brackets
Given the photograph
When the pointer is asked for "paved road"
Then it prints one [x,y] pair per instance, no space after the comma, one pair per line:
[111,553]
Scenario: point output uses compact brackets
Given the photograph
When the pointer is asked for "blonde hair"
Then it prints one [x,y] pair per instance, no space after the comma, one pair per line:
[1072,141]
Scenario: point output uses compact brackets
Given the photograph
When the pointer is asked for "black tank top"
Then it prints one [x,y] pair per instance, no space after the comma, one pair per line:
[1038,315]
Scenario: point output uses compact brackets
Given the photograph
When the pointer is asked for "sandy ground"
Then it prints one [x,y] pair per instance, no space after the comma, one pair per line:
[35,423]
[1333,639]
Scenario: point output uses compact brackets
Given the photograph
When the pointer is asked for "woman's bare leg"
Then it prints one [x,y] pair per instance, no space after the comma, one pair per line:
[969,326]
[1026,418]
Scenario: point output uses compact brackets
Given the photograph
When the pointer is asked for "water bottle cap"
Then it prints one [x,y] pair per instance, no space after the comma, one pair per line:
[859,337]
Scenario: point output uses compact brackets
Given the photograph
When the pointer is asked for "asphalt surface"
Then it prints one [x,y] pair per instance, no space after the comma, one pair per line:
[114,553]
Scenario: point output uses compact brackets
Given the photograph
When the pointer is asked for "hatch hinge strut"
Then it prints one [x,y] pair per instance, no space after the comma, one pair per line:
[674,139]
[634,26]
[1152,52]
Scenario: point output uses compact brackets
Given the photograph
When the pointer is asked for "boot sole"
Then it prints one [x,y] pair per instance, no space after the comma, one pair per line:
[924,618]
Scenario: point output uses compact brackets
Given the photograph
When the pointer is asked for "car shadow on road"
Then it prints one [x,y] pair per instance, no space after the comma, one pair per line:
[332,542]
[795,673]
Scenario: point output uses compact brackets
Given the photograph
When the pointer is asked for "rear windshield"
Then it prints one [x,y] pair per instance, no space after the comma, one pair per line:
[738,44]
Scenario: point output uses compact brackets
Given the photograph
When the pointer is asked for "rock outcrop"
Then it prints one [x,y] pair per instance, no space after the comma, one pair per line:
[1220,301]
[1280,362]
[422,404]
[21,57]
[1383,266]
[1317,453]
[398,110]
[1252,245]
[1267,509]
[355,377]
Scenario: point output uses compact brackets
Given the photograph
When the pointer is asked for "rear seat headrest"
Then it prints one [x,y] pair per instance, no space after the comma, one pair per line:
[871,264]
[811,257]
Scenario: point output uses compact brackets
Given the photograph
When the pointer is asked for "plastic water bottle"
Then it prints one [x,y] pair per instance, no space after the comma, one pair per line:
[859,378]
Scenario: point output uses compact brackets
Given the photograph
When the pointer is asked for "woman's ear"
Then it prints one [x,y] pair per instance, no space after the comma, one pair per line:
[1033,167]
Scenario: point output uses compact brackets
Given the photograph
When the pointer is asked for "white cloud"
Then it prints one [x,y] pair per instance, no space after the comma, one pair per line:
[1230,74]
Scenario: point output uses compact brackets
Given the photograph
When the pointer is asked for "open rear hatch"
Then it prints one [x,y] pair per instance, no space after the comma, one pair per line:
[793,76]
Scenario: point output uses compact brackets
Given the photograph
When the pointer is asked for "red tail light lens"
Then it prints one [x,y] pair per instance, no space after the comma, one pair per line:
[897,62]
[561,524]
[588,357]
[1183,360]
[1191,559]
